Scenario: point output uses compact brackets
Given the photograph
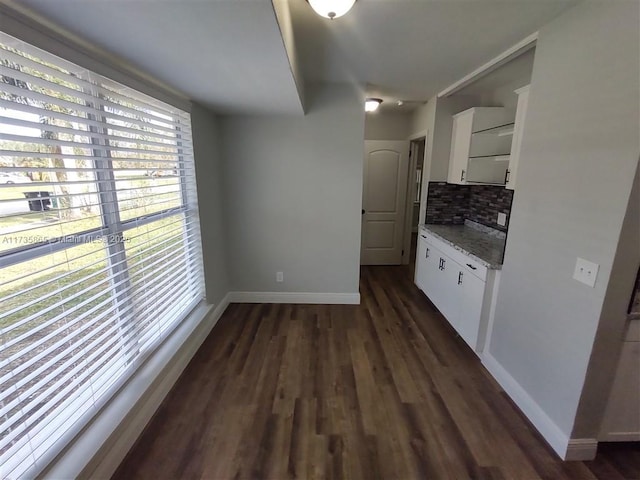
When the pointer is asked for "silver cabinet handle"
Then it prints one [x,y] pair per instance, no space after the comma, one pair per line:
[471,266]
[460,278]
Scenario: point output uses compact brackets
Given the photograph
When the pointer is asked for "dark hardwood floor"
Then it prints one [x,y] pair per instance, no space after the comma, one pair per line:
[381,390]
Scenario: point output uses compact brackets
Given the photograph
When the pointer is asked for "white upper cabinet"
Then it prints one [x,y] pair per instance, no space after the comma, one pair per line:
[521,111]
[460,146]
[480,146]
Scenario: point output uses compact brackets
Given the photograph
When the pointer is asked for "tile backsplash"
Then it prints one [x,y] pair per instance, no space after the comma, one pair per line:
[453,204]
[486,201]
[447,203]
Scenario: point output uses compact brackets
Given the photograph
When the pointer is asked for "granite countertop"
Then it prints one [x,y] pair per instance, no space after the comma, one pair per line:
[473,239]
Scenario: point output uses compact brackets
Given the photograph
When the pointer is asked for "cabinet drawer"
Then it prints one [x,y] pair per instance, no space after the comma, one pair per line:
[473,266]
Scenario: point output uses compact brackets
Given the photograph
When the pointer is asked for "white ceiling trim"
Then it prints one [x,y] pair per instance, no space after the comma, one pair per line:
[509,54]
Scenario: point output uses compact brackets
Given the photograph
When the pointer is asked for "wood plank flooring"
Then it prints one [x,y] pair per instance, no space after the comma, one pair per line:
[384,389]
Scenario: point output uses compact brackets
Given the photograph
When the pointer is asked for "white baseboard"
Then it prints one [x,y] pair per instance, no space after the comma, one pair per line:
[100,448]
[295,297]
[581,449]
[554,436]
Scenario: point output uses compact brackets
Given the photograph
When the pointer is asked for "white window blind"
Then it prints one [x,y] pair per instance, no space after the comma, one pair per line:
[99,244]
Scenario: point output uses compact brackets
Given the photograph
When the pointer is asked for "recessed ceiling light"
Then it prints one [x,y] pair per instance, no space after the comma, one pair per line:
[372,104]
[331,8]
[399,103]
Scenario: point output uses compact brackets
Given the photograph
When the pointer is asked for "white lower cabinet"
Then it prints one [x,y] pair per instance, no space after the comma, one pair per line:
[447,298]
[428,259]
[422,256]
[457,285]
[471,301]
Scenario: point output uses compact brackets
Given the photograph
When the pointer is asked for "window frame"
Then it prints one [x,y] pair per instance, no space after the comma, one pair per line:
[111,234]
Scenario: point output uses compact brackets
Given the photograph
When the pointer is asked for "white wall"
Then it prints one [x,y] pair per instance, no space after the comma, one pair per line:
[612,327]
[497,88]
[579,154]
[294,194]
[422,118]
[208,160]
[504,96]
[387,126]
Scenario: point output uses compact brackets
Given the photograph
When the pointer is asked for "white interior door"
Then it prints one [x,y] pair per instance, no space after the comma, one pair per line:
[386,167]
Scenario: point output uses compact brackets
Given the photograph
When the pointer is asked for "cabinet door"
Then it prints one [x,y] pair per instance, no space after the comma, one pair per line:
[432,285]
[448,301]
[523,102]
[471,294]
[428,273]
[421,262]
[460,144]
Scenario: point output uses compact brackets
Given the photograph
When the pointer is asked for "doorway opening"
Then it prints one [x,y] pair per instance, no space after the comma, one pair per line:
[414,196]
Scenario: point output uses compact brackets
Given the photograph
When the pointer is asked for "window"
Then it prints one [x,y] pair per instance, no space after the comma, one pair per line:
[99,244]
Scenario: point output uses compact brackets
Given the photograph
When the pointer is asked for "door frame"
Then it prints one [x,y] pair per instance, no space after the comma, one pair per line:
[408,209]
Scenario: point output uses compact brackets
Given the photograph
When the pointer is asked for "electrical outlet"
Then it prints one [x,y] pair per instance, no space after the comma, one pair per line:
[502,219]
[279,277]
[586,272]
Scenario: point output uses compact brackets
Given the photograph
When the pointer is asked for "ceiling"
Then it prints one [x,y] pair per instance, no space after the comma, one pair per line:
[230,55]
[225,54]
[412,49]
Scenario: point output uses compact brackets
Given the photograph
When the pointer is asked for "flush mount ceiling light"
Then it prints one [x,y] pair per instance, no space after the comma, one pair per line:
[372,104]
[331,8]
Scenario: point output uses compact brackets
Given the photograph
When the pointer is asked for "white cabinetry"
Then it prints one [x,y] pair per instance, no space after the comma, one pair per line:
[459,286]
[428,258]
[518,128]
[480,146]
[471,302]
[446,297]
[424,258]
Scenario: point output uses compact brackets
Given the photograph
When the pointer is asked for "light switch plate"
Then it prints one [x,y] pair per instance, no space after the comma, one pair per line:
[586,272]
[502,219]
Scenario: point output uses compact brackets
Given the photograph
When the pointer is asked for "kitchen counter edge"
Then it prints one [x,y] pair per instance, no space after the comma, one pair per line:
[460,248]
